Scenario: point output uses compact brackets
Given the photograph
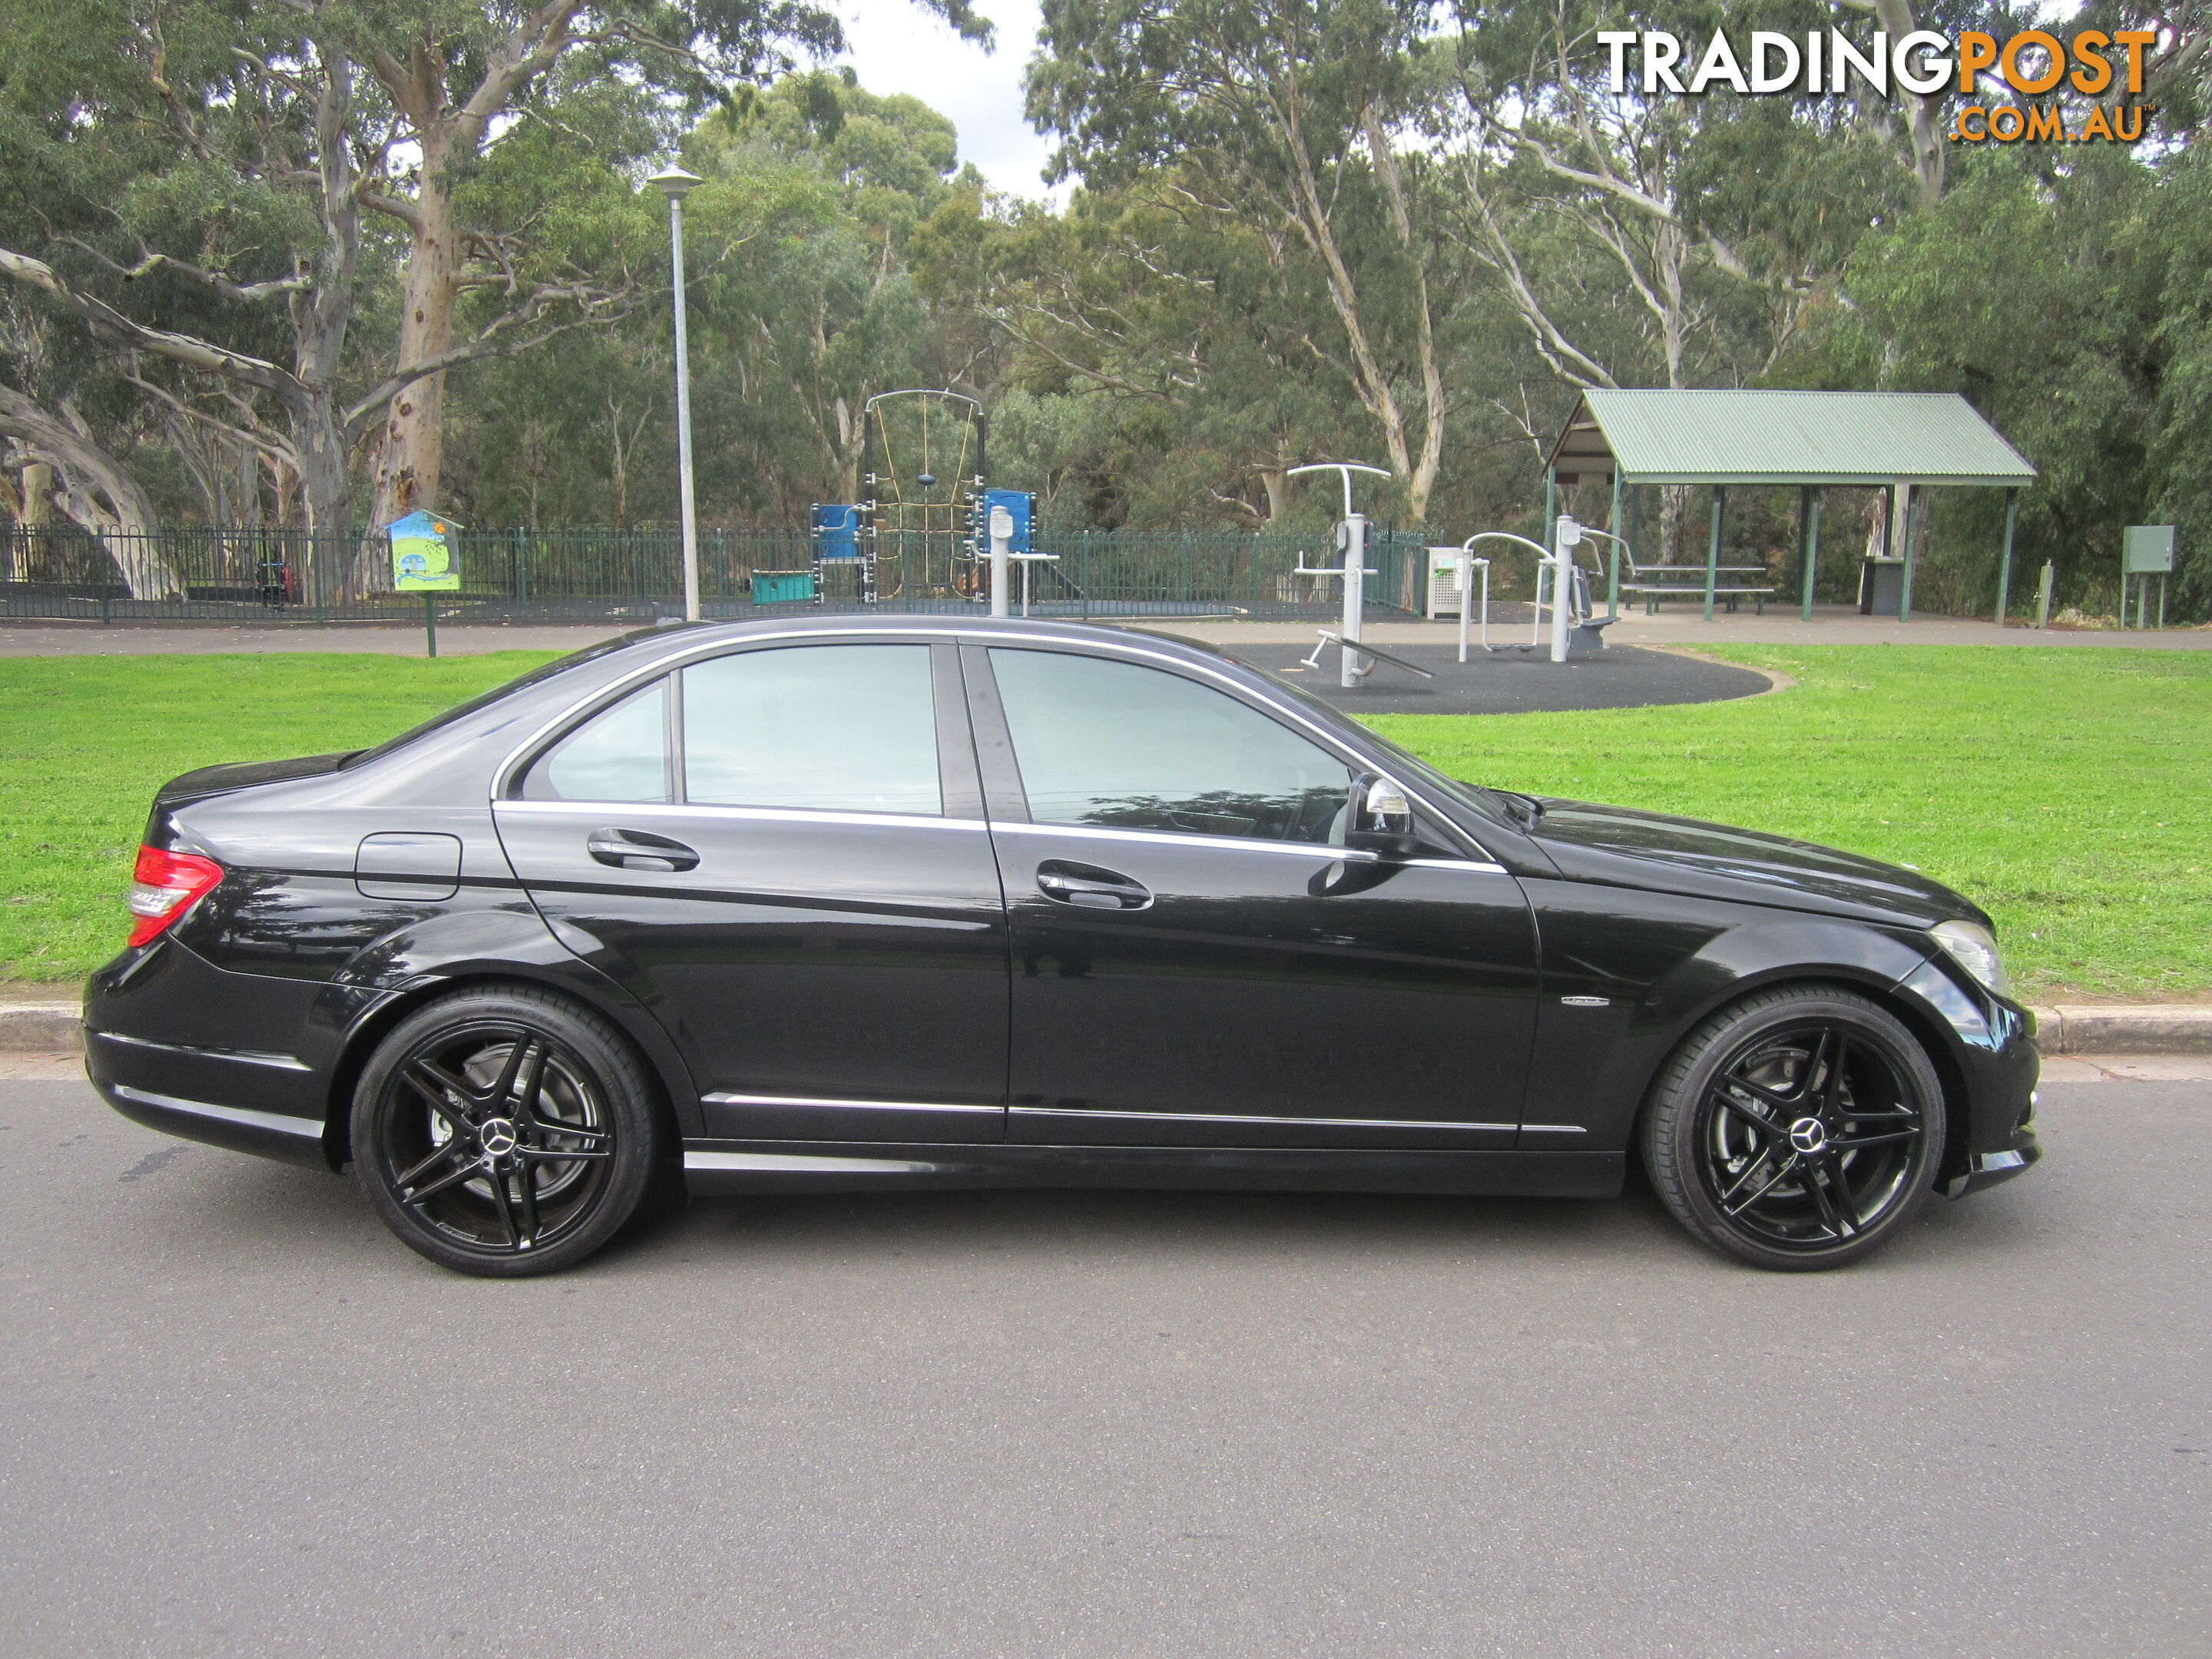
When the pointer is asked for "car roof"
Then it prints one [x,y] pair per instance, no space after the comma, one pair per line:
[685,638]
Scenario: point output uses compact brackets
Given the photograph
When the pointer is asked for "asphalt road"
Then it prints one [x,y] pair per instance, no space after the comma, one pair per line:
[239,1419]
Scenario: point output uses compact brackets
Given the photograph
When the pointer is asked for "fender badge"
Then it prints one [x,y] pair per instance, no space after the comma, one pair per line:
[1586,1002]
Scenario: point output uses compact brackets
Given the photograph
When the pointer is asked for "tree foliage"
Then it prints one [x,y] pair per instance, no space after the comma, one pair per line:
[310,263]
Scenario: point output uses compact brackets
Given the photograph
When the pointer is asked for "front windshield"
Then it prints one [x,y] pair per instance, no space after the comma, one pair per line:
[521,681]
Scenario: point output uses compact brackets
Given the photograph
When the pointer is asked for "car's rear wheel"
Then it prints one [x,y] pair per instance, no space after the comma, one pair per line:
[504,1132]
[1796,1130]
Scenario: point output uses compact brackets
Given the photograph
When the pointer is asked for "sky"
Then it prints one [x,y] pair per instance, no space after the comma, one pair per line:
[897,47]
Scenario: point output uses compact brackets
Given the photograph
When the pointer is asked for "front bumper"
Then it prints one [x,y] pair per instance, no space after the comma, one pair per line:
[1990,1168]
[1995,1065]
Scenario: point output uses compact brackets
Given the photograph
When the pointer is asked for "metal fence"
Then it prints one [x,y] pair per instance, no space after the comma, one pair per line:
[529,574]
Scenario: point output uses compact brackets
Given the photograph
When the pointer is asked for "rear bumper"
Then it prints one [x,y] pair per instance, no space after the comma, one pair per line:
[237,1129]
[180,1046]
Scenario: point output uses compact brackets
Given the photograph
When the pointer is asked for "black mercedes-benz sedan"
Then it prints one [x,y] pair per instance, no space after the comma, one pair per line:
[854,903]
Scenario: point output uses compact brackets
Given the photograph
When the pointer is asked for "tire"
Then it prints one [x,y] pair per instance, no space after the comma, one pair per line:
[505,1131]
[1796,1130]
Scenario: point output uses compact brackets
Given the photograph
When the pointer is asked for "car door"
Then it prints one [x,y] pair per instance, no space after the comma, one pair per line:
[1198,957]
[781,850]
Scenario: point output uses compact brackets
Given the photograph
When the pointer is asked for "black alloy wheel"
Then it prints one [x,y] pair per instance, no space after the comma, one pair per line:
[504,1132]
[1796,1130]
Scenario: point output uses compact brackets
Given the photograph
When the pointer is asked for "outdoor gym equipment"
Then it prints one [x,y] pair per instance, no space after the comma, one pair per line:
[1330,637]
[921,526]
[1464,563]
[1351,543]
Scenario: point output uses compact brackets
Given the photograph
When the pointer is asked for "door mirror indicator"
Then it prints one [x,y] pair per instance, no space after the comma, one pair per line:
[1381,819]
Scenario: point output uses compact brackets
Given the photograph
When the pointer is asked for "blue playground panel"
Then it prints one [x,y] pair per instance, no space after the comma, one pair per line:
[1021,505]
[836,529]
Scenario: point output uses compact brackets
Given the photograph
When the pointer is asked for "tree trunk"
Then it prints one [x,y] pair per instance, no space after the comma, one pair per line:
[96,491]
[411,455]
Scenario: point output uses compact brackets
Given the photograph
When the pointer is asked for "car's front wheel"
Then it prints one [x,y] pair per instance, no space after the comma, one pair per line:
[1796,1130]
[504,1132]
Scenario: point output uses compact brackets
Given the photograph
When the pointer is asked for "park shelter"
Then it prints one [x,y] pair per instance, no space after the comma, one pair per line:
[1901,441]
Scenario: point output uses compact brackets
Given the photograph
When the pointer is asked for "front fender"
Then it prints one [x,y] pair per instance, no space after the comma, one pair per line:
[1628,975]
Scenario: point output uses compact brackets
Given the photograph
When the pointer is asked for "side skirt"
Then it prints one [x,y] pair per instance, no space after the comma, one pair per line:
[712,1167]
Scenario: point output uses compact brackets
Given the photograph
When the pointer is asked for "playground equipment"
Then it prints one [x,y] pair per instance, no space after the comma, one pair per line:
[920,528]
[1352,543]
[1330,637]
[1453,596]
[1010,521]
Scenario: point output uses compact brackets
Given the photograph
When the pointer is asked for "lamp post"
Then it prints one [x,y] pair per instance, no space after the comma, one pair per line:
[674,183]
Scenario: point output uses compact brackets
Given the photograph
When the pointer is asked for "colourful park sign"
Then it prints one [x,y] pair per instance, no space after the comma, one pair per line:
[422,560]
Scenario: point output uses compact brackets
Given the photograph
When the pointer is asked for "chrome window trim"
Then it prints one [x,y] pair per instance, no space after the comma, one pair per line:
[504,777]
[603,808]
[243,1056]
[723,1099]
[276,1121]
[1293,1122]
[804,1163]
[1326,851]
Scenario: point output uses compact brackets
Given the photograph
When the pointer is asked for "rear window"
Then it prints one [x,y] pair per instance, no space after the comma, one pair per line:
[535,677]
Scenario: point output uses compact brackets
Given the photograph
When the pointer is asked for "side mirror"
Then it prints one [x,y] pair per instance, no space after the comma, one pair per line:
[1381,820]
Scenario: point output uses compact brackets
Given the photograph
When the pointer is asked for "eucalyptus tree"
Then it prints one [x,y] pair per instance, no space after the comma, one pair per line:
[1281,117]
[460,73]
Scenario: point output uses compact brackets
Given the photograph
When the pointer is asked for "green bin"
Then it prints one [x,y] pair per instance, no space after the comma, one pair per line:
[782,587]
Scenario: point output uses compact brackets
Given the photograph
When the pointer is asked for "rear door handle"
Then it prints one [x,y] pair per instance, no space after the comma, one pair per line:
[639,849]
[1089,888]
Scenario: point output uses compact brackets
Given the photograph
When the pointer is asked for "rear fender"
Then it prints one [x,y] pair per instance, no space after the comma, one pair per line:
[445,953]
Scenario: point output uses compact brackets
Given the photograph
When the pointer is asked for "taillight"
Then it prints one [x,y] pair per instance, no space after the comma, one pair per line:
[166,886]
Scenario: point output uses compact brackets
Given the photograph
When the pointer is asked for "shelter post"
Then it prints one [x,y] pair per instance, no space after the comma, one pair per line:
[1713,548]
[2004,565]
[1904,575]
[1808,540]
[1613,524]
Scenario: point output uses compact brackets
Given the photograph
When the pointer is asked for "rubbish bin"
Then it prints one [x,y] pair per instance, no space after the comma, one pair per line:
[1882,586]
[782,587]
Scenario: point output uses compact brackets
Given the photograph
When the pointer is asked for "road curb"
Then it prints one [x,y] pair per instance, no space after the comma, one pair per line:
[40,1025]
[2066,1028]
[2124,1027]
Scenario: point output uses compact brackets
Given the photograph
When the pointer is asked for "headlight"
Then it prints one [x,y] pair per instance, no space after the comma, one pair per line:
[1975,949]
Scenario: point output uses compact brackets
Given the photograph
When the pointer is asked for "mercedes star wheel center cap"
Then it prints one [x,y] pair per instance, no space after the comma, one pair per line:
[498,1138]
[1808,1134]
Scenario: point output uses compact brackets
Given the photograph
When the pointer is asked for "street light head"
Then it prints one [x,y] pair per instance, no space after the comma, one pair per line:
[674,183]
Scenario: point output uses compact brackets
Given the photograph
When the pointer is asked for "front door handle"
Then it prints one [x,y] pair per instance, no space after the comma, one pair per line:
[639,849]
[1089,888]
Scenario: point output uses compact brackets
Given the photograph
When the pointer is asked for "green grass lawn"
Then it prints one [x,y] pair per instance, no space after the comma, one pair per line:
[2066,790]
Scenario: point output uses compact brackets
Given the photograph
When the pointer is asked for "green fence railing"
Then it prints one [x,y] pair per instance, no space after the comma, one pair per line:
[529,574]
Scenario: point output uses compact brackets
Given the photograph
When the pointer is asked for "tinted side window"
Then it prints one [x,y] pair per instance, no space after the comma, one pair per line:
[849,728]
[1115,743]
[619,754]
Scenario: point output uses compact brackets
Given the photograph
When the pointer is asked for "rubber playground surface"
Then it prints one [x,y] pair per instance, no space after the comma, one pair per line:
[1510,681]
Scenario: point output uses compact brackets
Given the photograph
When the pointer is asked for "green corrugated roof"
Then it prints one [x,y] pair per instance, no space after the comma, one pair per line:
[1787,437]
